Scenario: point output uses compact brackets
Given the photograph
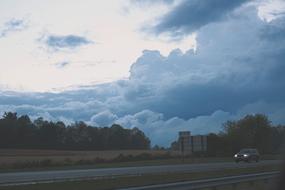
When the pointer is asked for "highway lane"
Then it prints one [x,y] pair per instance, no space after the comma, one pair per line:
[15,178]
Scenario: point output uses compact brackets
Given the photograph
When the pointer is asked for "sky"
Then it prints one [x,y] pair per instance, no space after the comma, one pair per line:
[162,66]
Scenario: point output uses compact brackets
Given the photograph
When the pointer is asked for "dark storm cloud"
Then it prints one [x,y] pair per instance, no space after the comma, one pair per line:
[190,15]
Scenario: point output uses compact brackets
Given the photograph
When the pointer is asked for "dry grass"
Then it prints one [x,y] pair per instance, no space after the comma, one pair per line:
[11,156]
[33,159]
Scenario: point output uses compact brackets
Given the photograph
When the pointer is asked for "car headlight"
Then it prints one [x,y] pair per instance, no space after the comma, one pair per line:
[235,155]
[245,155]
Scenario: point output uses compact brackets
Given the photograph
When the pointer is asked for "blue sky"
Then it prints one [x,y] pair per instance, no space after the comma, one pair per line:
[162,66]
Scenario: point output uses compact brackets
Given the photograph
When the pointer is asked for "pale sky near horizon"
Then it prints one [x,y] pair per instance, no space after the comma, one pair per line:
[113,29]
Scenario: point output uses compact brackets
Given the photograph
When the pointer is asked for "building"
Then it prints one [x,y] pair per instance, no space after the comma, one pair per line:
[184,142]
[190,144]
[199,143]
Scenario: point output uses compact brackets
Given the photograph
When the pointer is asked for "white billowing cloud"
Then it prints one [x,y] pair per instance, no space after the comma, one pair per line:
[143,118]
[164,131]
[105,118]
[271,9]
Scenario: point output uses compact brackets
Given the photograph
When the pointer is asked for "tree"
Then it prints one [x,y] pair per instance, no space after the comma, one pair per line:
[10,116]
[23,133]
[251,131]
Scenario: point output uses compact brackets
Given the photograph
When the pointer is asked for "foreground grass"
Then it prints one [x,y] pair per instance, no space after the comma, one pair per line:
[86,165]
[272,184]
[122,182]
[12,160]
[92,164]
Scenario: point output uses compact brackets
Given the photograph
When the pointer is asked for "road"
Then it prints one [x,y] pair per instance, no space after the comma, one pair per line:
[16,178]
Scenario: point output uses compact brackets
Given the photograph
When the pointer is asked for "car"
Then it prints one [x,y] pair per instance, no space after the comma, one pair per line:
[247,155]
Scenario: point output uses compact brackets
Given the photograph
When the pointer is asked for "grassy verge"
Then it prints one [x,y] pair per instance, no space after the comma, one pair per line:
[120,161]
[120,182]
[92,164]
[12,160]
[257,185]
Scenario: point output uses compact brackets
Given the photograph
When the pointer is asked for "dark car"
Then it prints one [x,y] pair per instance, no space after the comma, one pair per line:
[247,155]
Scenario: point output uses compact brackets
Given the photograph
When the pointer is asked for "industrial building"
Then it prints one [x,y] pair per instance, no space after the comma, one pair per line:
[190,144]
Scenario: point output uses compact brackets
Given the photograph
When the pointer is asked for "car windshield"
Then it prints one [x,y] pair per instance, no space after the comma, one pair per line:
[246,151]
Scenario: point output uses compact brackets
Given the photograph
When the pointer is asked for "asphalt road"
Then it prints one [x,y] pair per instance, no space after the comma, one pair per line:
[15,178]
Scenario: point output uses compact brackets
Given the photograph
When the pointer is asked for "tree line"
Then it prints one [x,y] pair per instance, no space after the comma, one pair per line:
[22,132]
[252,131]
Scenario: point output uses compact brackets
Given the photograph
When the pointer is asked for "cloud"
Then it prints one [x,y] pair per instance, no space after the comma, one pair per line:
[270,10]
[146,4]
[105,118]
[149,2]
[237,69]
[235,64]
[62,42]
[164,131]
[191,15]
[12,25]
[62,64]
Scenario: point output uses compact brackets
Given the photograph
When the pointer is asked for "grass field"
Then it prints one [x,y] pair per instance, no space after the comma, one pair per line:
[33,158]
[10,156]
[15,155]
[20,159]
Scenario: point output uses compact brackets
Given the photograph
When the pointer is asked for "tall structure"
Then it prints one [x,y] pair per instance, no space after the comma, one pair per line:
[185,142]
[199,143]
[189,144]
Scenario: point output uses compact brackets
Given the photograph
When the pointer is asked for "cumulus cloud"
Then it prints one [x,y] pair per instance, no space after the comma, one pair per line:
[238,68]
[191,15]
[105,118]
[164,131]
[61,42]
[270,10]
[12,25]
